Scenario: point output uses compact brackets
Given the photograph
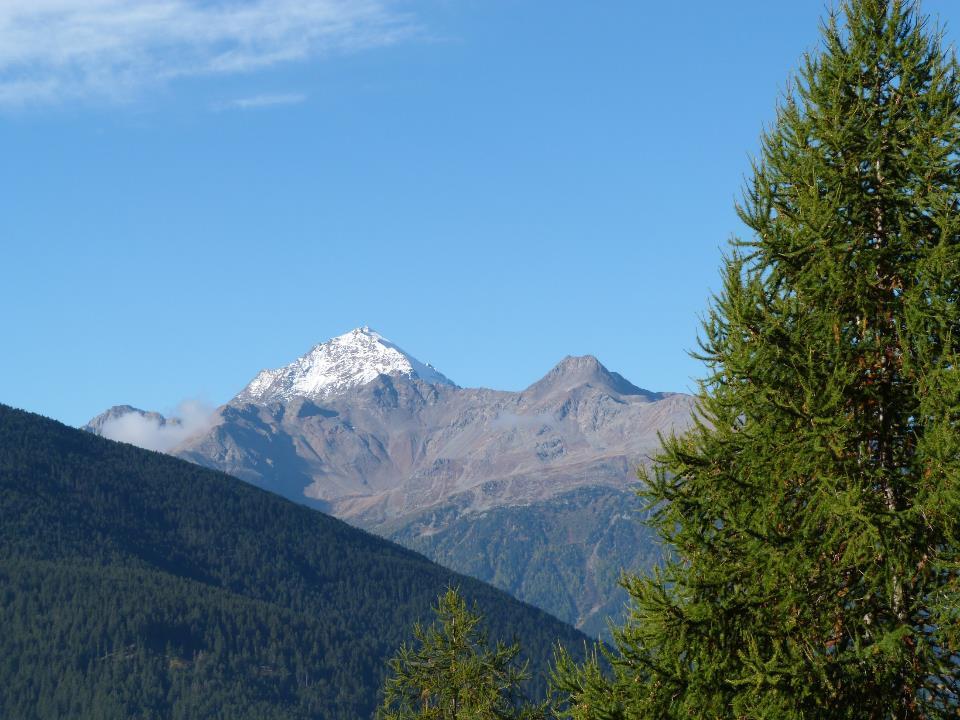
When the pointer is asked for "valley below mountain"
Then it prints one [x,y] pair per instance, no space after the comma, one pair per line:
[532,491]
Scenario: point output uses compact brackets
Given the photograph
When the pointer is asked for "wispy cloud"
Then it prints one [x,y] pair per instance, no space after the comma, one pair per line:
[192,417]
[56,50]
[261,101]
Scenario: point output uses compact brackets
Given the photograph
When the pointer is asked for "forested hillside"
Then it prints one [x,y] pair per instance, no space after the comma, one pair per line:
[133,584]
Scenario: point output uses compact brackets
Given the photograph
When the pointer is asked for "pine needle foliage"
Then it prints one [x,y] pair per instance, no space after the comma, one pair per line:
[814,510]
[451,673]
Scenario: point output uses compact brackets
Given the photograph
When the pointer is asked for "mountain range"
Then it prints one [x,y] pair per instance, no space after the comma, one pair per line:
[532,491]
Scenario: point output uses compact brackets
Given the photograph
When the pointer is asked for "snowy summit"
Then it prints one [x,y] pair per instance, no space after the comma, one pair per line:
[336,366]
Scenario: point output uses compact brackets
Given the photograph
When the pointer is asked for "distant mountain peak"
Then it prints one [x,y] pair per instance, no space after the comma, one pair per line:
[577,370]
[333,367]
[574,363]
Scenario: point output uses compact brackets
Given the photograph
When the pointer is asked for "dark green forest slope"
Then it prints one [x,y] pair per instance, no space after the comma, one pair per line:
[135,585]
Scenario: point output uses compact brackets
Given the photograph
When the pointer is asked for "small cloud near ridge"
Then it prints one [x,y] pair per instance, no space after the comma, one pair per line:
[53,51]
[191,418]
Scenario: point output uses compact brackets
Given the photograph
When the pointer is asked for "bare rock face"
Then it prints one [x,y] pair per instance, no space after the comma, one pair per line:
[397,445]
[542,478]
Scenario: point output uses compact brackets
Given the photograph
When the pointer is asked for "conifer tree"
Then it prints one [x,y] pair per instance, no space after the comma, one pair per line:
[813,512]
[451,673]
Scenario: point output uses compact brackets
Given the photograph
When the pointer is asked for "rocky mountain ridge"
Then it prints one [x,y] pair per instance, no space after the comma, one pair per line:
[411,456]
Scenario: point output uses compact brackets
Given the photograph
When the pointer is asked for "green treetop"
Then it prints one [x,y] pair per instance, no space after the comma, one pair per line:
[814,511]
[451,673]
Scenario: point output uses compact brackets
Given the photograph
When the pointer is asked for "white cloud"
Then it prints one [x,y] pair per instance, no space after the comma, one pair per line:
[260,101]
[56,50]
[148,431]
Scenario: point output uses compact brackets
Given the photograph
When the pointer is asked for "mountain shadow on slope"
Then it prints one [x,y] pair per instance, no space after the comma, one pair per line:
[565,554]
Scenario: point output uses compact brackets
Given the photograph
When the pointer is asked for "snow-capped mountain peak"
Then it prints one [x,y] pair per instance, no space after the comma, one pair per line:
[342,363]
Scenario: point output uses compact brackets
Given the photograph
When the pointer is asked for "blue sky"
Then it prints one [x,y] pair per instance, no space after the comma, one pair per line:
[192,191]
